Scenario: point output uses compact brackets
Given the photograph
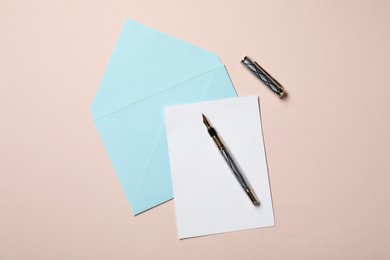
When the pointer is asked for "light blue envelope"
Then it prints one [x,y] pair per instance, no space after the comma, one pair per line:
[147,71]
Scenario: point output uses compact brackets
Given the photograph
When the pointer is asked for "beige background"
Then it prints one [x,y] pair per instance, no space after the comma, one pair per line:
[327,144]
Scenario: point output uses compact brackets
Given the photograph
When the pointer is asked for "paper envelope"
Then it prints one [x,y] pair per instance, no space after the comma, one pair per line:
[147,71]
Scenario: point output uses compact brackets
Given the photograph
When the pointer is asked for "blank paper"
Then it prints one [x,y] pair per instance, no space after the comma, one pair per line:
[208,198]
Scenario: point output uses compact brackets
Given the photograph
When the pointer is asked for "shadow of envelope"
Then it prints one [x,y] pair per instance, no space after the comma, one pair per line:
[147,71]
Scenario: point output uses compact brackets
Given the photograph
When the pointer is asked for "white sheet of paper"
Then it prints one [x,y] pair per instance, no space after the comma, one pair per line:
[208,198]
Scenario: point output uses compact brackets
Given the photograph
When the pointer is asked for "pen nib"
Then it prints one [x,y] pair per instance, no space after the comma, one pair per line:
[205,121]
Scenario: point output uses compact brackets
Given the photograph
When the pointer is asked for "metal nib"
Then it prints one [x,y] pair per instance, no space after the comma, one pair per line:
[205,121]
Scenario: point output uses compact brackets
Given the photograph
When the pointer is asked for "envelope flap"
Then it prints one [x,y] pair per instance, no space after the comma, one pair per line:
[145,62]
[129,149]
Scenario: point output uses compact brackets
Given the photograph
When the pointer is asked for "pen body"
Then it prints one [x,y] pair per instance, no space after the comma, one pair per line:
[230,161]
[234,167]
[239,175]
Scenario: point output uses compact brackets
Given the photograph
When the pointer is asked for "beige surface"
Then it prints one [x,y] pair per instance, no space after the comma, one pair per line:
[327,144]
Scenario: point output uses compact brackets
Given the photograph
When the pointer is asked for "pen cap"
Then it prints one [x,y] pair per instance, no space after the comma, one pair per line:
[264,76]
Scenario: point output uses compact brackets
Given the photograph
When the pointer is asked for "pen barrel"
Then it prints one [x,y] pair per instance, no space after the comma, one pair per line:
[264,76]
[239,175]
[234,167]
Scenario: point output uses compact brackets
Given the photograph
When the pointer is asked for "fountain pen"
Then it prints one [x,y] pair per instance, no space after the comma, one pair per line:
[230,161]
